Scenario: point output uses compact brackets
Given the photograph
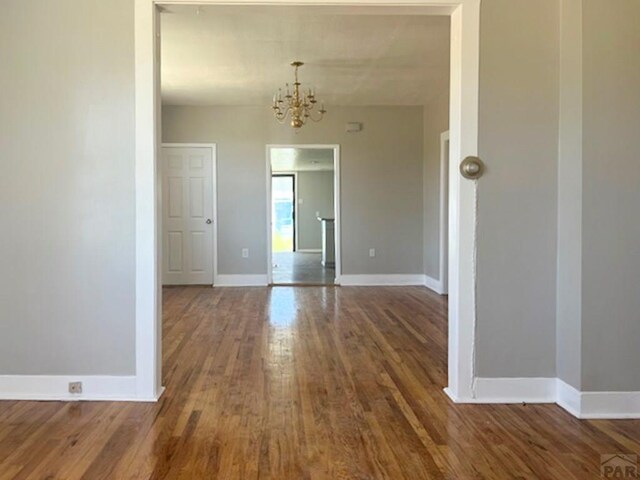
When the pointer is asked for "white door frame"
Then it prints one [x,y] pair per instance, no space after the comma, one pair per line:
[214,185]
[336,203]
[464,93]
[444,214]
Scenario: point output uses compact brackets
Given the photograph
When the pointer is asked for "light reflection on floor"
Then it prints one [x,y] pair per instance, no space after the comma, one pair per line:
[283,317]
[283,307]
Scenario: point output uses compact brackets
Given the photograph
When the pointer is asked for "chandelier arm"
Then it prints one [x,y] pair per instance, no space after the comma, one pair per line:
[283,114]
[317,119]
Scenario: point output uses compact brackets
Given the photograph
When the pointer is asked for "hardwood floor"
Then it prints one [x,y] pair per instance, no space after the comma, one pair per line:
[304,383]
[301,268]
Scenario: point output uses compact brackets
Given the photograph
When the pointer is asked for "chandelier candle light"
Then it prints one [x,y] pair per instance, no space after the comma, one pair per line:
[298,106]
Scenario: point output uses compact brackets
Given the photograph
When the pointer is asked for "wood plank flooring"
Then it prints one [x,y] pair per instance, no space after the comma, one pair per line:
[303,383]
[301,268]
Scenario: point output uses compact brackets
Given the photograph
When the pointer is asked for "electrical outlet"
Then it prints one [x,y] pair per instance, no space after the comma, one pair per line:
[245,253]
[75,387]
[372,252]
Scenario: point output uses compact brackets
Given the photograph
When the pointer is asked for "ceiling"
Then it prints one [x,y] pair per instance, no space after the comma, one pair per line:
[241,55]
[285,159]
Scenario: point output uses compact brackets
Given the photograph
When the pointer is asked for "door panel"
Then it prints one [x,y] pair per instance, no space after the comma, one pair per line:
[187,180]
[174,250]
[196,192]
[198,247]
[174,197]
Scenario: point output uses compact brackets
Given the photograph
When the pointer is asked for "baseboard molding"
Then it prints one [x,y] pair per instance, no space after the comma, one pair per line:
[586,405]
[240,281]
[433,284]
[381,280]
[515,390]
[309,250]
[568,398]
[56,387]
[605,405]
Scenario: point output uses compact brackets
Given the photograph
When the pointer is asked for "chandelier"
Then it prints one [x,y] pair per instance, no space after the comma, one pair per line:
[298,107]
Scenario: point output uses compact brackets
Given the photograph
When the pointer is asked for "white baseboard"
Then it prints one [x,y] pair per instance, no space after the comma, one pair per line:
[309,250]
[605,405]
[602,405]
[568,398]
[433,284]
[56,387]
[515,390]
[381,280]
[240,281]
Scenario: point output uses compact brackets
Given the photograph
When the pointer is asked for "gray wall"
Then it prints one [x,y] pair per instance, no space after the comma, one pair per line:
[569,284]
[611,195]
[67,187]
[518,139]
[436,121]
[381,176]
[315,189]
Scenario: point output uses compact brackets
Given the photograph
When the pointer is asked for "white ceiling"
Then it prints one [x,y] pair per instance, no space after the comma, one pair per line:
[285,159]
[241,55]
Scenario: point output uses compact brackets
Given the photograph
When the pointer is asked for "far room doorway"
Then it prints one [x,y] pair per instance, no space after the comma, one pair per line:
[303,206]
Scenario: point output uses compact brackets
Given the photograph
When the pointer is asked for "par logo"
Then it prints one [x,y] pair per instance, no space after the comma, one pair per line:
[619,465]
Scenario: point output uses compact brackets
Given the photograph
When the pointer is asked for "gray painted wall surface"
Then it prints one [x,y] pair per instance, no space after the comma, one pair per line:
[315,189]
[569,284]
[611,196]
[517,196]
[67,187]
[381,175]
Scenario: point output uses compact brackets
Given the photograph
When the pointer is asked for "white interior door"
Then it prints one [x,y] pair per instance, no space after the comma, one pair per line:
[187,186]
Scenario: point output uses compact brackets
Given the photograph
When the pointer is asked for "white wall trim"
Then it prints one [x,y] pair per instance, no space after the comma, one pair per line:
[56,387]
[444,215]
[309,250]
[463,135]
[433,284]
[148,221]
[464,90]
[603,405]
[584,405]
[241,281]
[380,280]
[515,390]
[568,398]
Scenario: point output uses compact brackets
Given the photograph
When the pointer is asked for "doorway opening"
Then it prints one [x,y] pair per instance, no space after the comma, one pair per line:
[303,213]
[464,91]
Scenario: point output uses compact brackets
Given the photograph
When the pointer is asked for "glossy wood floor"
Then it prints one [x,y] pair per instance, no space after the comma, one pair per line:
[303,383]
[301,268]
